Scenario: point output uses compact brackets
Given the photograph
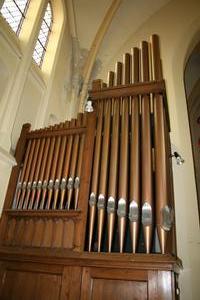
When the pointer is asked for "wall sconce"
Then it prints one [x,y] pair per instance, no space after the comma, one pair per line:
[178,157]
[88,105]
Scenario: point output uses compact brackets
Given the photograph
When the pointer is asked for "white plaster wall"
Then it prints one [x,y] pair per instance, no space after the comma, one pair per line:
[178,25]
[30,105]
[59,102]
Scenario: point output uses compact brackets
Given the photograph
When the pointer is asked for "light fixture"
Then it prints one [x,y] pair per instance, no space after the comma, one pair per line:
[88,105]
[178,157]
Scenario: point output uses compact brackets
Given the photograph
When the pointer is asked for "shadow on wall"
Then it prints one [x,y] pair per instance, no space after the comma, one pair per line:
[4,75]
[52,120]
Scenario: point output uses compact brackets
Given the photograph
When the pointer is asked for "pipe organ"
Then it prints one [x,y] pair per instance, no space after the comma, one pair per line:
[90,201]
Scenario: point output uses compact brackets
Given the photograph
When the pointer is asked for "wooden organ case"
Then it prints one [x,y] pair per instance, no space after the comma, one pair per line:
[89,211]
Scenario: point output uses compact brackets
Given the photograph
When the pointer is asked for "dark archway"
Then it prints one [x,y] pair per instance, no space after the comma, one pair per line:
[192,89]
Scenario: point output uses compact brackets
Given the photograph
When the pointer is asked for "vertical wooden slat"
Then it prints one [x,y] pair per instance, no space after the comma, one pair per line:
[84,188]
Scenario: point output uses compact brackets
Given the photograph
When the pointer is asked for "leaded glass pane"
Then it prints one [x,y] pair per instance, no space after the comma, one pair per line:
[45,29]
[13,12]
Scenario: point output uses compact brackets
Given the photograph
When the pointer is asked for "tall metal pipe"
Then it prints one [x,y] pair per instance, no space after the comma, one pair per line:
[77,180]
[134,196]
[73,163]
[163,209]
[59,167]
[123,172]
[53,171]
[95,174]
[26,176]
[46,180]
[31,175]
[42,173]
[66,166]
[147,193]
[22,174]
[36,175]
[104,172]
[113,175]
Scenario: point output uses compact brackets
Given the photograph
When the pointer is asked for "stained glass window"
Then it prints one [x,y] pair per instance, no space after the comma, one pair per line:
[45,30]
[14,12]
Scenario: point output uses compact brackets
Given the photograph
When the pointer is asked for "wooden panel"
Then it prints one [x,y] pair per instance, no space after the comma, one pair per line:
[57,233]
[104,289]
[29,231]
[71,283]
[19,231]
[48,287]
[165,285]
[68,234]
[10,231]
[160,285]
[38,233]
[101,283]
[48,231]
[28,285]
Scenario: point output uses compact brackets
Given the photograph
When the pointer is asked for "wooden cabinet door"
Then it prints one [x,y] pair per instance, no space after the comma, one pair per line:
[114,284]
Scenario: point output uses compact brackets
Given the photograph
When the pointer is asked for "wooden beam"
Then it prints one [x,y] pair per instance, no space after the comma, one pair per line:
[129,90]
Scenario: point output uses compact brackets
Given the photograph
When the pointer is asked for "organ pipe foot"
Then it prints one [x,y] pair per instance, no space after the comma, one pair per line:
[91,225]
[134,235]
[111,223]
[147,238]
[122,228]
[101,213]
[162,236]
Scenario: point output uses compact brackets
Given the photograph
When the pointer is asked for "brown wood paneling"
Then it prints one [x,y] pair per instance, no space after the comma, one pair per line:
[104,289]
[29,285]
[68,234]
[57,233]
[38,233]
[10,231]
[48,232]
[29,231]
[71,283]
[47,287]
[19,232]
[106,284]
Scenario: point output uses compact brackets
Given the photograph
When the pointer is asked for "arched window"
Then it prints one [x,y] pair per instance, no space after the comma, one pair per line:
[42,41]
[14,12]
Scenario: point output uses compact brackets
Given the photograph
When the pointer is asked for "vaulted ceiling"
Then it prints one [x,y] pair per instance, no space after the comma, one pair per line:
[130,15]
